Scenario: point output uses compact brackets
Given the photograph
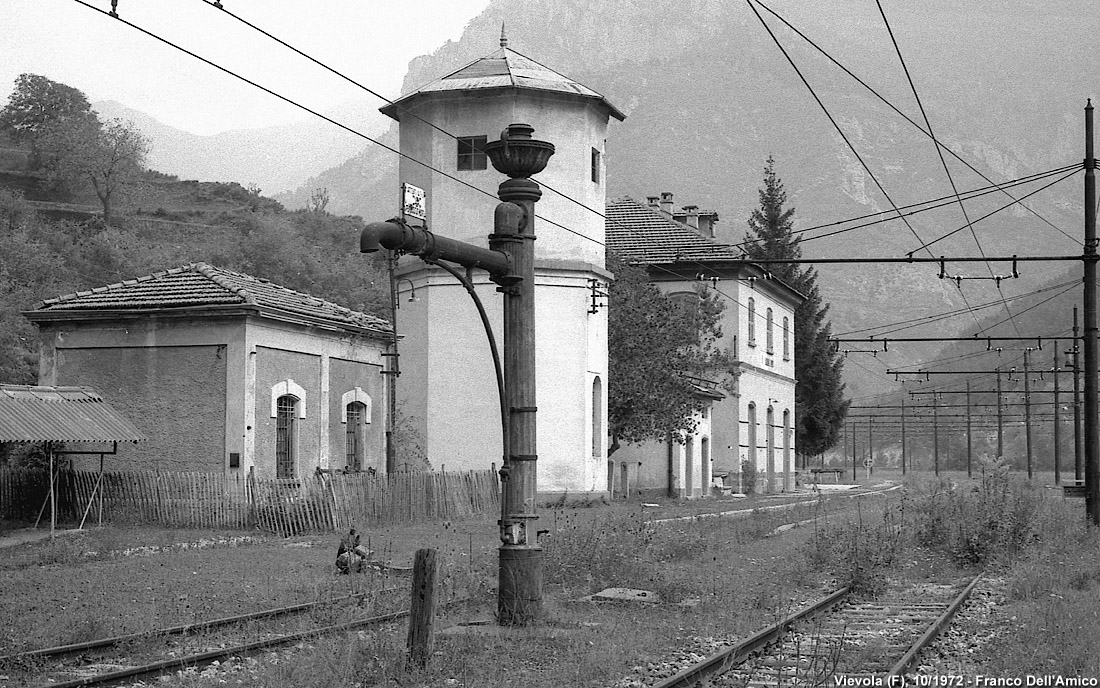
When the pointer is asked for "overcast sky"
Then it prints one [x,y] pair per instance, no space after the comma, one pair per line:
[371,41]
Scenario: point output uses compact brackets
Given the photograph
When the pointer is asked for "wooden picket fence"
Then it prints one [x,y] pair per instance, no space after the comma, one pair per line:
[318,503]
[22,491]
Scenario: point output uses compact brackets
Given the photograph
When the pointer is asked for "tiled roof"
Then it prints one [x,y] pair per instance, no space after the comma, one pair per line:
[637,232]
[504,68]
[199,285]
[60,414]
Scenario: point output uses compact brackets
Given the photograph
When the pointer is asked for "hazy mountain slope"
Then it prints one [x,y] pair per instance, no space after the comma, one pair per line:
[709,96]
[273,158]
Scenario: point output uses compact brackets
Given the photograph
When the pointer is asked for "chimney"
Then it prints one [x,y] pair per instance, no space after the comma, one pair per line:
[666,202]
[691,216]
[653,202]
[707,220]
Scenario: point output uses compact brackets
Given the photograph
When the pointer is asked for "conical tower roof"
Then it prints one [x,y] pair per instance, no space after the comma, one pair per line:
[502,69]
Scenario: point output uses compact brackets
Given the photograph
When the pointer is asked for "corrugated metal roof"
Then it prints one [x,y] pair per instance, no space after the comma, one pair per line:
[504,68]
[60,414]
[197,285]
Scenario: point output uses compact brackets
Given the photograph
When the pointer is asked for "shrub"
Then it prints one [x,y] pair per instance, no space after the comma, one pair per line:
[748,476]
[859,555]
[994,520]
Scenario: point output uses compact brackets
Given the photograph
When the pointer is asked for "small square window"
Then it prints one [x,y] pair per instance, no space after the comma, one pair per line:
[471,153]
[595,166]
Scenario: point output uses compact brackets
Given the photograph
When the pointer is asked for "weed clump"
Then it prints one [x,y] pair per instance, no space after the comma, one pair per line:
[857,554]
[592,553]
[995,519]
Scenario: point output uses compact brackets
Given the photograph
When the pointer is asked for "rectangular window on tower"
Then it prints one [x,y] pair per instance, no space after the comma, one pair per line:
[471,153]
[595,166]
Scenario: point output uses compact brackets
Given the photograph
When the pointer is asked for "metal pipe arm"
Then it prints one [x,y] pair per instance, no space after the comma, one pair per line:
[398,235]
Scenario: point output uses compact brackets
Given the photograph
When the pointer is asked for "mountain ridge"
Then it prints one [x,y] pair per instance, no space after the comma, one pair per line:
[276,159]
[709,96]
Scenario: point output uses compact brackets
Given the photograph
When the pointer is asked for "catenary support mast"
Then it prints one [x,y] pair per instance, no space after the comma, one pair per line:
[1092,440]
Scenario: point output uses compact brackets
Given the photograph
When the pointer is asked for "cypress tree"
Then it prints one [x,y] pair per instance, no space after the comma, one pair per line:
[820,406]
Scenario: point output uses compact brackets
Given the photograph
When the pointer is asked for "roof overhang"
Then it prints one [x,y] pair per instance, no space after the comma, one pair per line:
[723,269]
[229,311]
[37,413]
[393,110]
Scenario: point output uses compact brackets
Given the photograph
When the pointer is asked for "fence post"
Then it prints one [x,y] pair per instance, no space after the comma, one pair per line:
[250,492]
[422,609]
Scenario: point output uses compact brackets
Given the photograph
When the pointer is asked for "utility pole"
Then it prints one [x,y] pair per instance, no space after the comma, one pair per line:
[935,433]
[1092,440]
[870,447]
[855,450]
[393,371]
[1027,413]
[1000,421]
[843,443]
[1078,435]
[1057,429]
[969,442]
[903,435]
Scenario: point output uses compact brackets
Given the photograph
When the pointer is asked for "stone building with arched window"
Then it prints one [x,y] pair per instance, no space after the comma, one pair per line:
[225,372]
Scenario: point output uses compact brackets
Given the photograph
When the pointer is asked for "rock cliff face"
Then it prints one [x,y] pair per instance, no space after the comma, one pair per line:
[709,96]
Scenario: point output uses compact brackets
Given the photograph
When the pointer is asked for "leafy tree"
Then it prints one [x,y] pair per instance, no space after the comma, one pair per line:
[38,102]
[656,345]
[109,157]
[820,406]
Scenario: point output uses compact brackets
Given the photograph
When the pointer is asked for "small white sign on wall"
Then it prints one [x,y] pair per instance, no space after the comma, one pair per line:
[414,202]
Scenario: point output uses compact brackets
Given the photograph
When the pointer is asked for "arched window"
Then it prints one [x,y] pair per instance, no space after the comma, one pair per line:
[355,434]
[597,417]
[786,339]
[770,335]
[355,414]
[752,321]
[286,436]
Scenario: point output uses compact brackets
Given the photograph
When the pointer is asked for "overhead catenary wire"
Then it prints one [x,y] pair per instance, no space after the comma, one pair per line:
[833,121]
[443,131]
[939,153]
[218,5]
[349,129]
[936,144]
[889,216]
[1074,170]
[861,82]
[902,325]
[345,127]
[375,141]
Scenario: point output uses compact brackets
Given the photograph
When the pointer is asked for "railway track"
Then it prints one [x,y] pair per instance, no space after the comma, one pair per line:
[109,660]
[873,642]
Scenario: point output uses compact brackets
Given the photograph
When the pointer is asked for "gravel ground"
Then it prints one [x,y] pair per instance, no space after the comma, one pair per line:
[976,630]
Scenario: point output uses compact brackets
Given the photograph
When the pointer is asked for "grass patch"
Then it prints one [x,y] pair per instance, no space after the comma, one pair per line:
[1053,603]
[720,577]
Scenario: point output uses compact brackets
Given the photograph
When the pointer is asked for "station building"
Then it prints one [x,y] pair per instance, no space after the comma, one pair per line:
[222,371]
[750,416]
